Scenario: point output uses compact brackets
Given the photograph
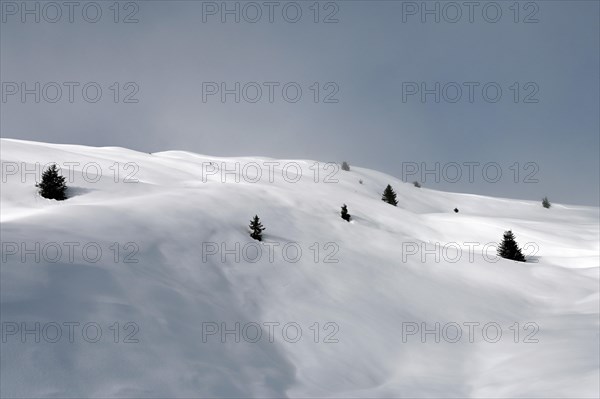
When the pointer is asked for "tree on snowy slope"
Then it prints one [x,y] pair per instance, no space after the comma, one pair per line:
[52,185]
[389,196]
[256,228]
[345,214]
[546,202]
[345,166]
[509,249]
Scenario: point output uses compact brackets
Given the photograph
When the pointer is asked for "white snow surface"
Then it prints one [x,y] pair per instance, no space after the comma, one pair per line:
[376,288]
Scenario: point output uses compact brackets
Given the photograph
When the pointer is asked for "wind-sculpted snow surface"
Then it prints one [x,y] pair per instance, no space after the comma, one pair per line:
[145,283]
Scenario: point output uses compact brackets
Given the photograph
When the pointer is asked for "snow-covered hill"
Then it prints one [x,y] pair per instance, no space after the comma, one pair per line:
[151,264]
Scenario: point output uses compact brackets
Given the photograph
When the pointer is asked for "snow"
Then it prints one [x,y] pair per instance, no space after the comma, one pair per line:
[380,285]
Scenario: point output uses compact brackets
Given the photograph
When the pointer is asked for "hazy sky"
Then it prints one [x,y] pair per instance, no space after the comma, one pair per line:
[361,66]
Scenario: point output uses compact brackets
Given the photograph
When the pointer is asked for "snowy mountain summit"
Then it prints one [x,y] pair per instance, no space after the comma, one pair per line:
[145,282]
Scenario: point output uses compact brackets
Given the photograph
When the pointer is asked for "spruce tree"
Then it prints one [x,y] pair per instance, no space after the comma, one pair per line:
[546,203]
[509,249]
[256,228]
[52,185]
[345,214]
[389,196]
[345,166]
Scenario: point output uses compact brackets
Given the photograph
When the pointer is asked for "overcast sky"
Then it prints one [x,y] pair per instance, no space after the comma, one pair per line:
[361,67]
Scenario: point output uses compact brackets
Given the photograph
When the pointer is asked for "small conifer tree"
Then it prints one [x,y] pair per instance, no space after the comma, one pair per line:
[389,196]
[52,185]
[345,214]
[509,249]
[546,202]
[345,166]
[256,228]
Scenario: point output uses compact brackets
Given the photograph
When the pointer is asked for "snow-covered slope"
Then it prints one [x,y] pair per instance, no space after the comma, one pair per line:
[367,304]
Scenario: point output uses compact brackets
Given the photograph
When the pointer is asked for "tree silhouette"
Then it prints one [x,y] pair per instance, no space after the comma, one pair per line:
[256,228]
[52,185]
[389,196]
[546,203]
[509,249]
[345,214]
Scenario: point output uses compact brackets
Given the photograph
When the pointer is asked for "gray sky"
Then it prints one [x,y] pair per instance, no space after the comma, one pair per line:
[369,61]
